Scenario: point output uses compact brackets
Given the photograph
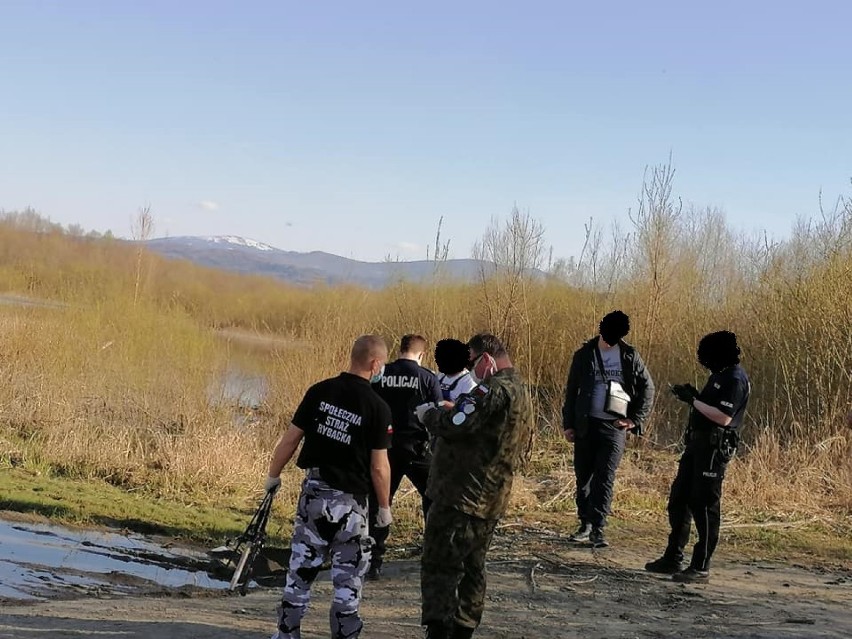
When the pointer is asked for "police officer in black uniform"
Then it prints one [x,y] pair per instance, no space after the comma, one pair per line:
[715,420]
[405,385]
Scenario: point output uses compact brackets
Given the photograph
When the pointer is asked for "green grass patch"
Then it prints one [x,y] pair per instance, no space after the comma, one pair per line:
[37,495]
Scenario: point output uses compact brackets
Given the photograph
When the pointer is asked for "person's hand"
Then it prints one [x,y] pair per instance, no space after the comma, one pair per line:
[624,424]
[272,484]
[446,404]
[383,517]
[420,411]
[686,393]
[569,435]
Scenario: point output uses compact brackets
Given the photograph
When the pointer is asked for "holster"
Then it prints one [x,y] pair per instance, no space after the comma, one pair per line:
[728,442]
[725,441]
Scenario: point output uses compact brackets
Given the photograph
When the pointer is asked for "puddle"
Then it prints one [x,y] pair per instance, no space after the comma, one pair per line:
[43,562]
[239,388]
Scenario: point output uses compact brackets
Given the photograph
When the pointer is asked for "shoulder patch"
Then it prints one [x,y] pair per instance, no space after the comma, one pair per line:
[481,390]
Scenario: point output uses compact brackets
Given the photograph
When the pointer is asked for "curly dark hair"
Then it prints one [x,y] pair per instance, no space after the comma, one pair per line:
[451,356]
[614,326]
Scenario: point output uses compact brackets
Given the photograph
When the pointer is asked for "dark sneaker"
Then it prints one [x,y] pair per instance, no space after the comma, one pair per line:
[597,539]
[692,576]
[582,534]
[664,566]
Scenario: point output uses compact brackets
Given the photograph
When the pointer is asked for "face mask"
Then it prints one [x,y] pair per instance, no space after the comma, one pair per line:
[483,367]
[375,379]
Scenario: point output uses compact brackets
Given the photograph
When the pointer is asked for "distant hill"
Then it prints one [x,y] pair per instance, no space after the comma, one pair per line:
[243,255]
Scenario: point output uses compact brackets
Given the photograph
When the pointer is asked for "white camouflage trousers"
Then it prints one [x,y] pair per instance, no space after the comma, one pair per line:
[329,523]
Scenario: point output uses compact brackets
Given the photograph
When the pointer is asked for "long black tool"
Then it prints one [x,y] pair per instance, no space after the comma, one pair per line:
[247,546]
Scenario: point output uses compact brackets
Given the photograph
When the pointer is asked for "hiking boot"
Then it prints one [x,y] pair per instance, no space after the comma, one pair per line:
[581,535]
[461,632]
[664,566]
[375,572]
[597,539]
[437,630]
[692,576]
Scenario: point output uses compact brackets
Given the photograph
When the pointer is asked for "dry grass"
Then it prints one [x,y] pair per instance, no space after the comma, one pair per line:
[116,384]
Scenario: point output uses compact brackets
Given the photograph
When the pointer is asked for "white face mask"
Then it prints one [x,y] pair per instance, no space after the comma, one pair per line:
[375,379]
[483,368]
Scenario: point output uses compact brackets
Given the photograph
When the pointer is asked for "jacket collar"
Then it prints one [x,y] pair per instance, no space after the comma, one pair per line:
[625,347]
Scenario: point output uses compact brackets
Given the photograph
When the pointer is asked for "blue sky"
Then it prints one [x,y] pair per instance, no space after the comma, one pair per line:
[352,127]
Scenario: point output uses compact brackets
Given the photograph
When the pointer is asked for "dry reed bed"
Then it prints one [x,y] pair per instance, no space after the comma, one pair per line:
[116,384]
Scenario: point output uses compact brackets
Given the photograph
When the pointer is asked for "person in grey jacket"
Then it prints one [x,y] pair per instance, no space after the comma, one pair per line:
[598,436]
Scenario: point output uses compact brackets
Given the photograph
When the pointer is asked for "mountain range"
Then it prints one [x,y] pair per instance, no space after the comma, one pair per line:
[234,253]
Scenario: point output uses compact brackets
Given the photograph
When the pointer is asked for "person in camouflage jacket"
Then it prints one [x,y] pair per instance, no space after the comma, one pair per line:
[480,441]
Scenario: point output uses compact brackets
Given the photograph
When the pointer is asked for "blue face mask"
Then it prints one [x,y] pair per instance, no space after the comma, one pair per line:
[375,379]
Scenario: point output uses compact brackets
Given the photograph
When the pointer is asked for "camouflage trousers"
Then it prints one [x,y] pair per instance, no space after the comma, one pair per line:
[329,523]
[452,571]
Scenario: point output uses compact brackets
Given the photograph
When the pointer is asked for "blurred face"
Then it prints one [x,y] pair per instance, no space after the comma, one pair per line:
[610,335]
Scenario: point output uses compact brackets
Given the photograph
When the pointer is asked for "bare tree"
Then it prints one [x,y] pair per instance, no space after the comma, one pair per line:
[441,252]
[656,224]
[141,230]
[510,255]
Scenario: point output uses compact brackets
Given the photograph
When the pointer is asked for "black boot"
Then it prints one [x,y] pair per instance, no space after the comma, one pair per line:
[664,565]
[375,571]
[461,632]
[437,630]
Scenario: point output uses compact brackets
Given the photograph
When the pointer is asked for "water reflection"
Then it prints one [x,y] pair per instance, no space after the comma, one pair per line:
[239,388]
[42,561]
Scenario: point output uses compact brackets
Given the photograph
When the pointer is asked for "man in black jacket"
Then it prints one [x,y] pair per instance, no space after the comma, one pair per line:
[599,436]
[404,385]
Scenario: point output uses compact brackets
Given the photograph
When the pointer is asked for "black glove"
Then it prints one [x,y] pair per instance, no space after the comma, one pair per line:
[686,393]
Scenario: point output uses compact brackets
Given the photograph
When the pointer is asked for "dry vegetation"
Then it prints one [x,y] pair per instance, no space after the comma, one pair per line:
[115,383]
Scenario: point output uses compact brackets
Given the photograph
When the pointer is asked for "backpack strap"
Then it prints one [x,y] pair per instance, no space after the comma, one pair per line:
[456,382]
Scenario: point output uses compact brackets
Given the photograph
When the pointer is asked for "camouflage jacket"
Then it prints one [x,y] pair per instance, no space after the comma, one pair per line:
[479,445]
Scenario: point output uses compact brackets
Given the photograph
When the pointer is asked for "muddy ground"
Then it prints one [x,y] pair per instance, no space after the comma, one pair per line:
[540,587]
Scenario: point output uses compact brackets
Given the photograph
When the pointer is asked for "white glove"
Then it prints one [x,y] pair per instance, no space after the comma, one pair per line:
[420,411]
[383,518]
[272,484]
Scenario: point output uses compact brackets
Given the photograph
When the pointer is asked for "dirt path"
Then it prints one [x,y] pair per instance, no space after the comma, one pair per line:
[554,591]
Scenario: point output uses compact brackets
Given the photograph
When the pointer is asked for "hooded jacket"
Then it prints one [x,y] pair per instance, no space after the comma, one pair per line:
[581,382]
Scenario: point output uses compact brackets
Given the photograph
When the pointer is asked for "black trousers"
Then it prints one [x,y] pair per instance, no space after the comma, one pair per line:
[404,462]
[597,455]
[696,494]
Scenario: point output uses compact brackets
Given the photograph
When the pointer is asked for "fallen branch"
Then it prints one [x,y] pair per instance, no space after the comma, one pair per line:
[533,584]
[770,524]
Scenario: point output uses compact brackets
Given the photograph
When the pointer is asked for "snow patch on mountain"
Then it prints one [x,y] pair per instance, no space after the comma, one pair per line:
[240,241]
